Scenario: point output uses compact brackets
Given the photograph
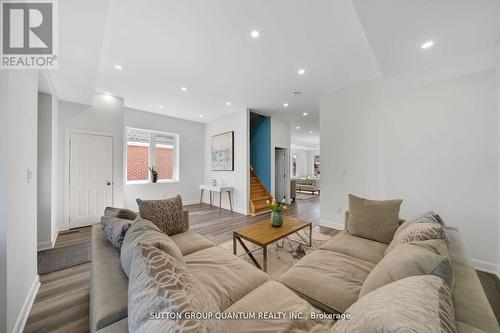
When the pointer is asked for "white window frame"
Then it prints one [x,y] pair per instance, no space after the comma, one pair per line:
[152,155]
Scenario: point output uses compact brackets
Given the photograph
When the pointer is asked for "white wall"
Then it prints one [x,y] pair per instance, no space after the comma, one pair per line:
[44,164]
[239,123]
[302,163]
[19,280]
[105,115]
[433,145]
[191,158]
[280,138]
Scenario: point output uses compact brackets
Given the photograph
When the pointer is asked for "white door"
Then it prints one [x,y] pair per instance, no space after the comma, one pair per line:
[280,173]
[90,178]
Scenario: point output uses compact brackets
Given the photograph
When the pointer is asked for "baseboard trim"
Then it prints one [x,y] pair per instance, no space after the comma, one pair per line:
[45,246]
[26,308]
[486,267]
[331,224]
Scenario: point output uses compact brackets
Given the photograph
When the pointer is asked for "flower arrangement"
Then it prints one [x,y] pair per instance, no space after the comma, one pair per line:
[154,174]
[276,206]
[277,209]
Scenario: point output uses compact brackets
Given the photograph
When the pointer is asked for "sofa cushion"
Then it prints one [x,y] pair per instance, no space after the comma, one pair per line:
[470,302]
[117,327]
[226,277]
[330,280]
[415,304]
[115,229]
[166,214]
[356,247]
[190,241]
[145,231]
[373,219]
[274,297]
[410,259]
[121,213]
[411,231]
[159,283]
[108,299]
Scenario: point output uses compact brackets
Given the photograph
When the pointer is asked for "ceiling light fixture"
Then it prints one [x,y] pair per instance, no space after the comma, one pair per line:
[305,114]
[298,127]
[228,103]
[161,106]
[427,44]
[301,71]
[201,116]
[184,89]
[118,67]
[310,132]
[255,34]
[107,94]
[285,105]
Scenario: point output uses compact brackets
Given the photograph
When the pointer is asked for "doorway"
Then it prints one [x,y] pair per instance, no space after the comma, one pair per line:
[90,158]
[280,173]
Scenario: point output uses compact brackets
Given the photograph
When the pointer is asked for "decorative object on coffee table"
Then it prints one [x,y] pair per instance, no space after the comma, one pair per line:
[262,234]
[276,212]
[154,174]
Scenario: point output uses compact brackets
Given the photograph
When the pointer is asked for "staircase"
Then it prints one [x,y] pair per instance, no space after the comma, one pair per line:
[258,195]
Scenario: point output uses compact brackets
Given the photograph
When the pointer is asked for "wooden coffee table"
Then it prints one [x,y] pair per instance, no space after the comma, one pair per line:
[263,234]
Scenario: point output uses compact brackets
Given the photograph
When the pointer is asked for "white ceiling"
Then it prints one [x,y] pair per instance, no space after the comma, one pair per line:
[205,46]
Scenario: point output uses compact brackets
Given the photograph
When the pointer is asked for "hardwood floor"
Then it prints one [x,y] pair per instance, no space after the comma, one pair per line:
[62,302]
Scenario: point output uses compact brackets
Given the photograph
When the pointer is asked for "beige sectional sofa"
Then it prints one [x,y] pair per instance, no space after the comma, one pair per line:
[329,280]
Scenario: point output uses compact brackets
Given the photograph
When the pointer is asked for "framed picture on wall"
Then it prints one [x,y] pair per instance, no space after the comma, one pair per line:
[222,153]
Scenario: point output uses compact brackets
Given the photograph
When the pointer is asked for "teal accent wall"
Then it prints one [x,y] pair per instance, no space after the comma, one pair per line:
[260,147]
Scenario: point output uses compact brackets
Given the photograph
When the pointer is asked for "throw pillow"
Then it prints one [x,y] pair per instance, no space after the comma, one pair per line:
[115,230]
[415,304]
[144,231]
[161,284]
[411,231]
[410,259]
[373,219]
[428,217]
[121,213]
[165,214]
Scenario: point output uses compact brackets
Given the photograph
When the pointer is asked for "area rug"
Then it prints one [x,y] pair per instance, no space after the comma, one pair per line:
[63,257]
[282,254]
[305,196]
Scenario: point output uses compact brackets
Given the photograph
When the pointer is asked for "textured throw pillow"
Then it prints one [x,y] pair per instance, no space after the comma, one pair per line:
[373,219]
[159,284]
[415,304]
[115,230]
[428,217]
[411,232]
[165,214]
[121,213]
[144,231]
[410,259]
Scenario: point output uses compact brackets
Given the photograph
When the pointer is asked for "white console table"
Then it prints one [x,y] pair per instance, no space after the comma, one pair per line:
[220,189]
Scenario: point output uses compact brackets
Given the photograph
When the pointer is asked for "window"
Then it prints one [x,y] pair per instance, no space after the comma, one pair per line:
[316,165]
[147,149]
[294,165]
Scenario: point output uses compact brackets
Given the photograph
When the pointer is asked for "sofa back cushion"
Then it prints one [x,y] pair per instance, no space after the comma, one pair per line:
[415,304]
[165,214]
[373,219]
[159,283]
[115,230]
[121,213]
[144,231]
[411,231]
[410,259]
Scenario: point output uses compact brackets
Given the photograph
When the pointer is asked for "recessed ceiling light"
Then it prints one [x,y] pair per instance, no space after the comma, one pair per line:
[427,44]
[305,114]
[255,34]
[301,71]
[107,93]
[285,105]
[201,116]
[184,88]
[161,106]
[118,67]
[310,132]
[228,103]
[298,127]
